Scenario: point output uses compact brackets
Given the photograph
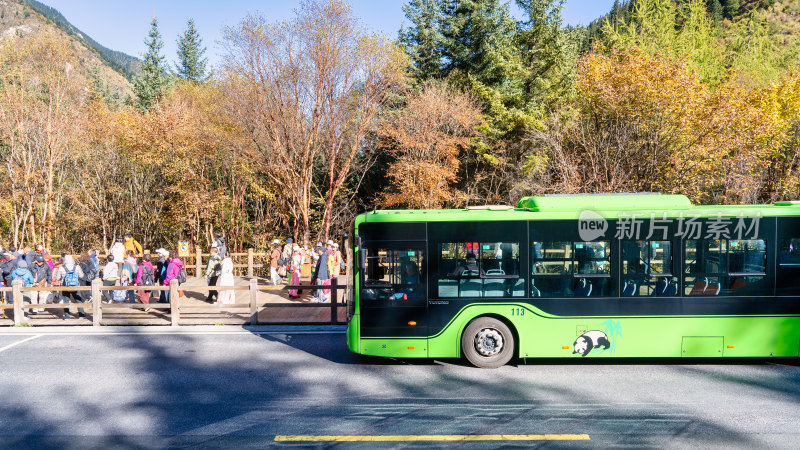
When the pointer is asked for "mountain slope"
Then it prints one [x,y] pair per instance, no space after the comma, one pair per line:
[125,64]
[18,21]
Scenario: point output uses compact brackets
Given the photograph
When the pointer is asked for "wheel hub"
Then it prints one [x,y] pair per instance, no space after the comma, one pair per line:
[488,342]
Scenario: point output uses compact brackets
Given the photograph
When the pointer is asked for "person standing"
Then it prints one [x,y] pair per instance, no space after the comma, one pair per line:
[70,275]
[89,271]
[298,259]
[274,256]
[110,276]
[146,277]
[128,275]
[7,266]
[161,272]
[173,272]
[219,240]
[213,271]
[132,246]
[335,264]
[42,277]
[23,272]
[322,276]
[286,255]
[226,296]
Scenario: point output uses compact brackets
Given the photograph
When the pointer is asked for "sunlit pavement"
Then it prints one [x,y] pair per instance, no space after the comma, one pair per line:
[193,387]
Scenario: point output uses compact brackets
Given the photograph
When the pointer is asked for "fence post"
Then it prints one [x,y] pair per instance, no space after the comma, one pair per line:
[334,291]
[16,295]
[97,300]
[175,314]
[249,262]
[199,261]
[253,298]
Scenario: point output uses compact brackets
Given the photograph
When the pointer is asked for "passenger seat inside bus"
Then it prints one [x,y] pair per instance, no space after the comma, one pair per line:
[661,287]
[672,287]
[470,288]
[534,290]
[629,288]
[699,287]
[584,288]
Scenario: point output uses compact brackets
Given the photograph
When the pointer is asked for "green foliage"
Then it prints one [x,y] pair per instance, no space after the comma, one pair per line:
[150,87]
[124,64]
[730,8]
[423,40]
[191,63]
[660,27]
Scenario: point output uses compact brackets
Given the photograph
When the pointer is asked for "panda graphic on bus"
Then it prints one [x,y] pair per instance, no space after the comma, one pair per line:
[590,340]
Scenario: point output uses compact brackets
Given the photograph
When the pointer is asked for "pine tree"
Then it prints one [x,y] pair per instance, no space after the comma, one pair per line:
[191,63]
[730,7]
[715,10]
[151,85]
[478,39]
[547,49]
[423,40]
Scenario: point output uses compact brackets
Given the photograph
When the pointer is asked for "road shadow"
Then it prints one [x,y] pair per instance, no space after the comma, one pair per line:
[193,391]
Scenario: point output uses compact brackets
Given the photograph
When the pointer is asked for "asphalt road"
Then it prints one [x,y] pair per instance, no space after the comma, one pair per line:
[243,388]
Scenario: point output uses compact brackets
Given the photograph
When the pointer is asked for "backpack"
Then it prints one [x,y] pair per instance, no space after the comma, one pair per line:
[127,273]
[148,278]
[118,296]
[89,272]
[71,277]
[182,276]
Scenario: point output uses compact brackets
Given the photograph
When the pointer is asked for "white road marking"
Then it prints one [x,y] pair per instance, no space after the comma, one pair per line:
[19,342]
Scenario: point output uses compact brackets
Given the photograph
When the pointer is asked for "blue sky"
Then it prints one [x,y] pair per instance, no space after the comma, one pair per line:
[123,25]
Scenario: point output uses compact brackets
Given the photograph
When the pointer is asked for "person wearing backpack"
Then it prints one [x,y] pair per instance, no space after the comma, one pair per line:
[146,276]
[89,270]
[212,271]
[7,266]
[42,277]
[174,272]
[70,275]
[130,268]
[22,272]
[110,277]
[161,272]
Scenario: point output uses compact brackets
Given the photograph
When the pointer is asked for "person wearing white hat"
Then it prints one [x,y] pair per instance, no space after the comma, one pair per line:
[336,260]
[297,260]
[274,255]
[161,271]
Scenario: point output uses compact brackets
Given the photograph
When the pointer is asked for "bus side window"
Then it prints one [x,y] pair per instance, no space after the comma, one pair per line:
[788,267]
[726,267]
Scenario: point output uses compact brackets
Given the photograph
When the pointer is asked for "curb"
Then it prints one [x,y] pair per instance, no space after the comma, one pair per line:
[185,329]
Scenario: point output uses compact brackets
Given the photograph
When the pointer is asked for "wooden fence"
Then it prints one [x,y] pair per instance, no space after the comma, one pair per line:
[198,265]
[18,304]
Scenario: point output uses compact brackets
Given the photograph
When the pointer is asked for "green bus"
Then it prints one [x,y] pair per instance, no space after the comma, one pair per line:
[605,275]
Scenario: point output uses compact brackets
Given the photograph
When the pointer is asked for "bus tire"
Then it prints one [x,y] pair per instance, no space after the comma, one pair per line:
[487,343]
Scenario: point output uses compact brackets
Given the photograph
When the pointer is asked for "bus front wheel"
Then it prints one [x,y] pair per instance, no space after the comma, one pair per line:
[488,343]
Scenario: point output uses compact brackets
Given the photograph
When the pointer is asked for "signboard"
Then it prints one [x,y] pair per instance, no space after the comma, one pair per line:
[183,249]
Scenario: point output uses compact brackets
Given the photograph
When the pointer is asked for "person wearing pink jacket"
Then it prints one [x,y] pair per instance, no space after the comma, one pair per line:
[173,270]
[145,276]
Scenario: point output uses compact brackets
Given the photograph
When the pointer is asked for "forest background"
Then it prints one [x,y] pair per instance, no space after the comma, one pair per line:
[312,120]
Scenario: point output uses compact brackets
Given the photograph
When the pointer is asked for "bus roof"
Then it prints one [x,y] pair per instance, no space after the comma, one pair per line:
[569,207]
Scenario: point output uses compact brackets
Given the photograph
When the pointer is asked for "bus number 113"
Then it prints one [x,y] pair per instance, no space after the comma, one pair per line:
[517,311]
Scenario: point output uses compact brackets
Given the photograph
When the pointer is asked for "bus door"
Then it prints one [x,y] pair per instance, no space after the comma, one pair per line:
[393,296]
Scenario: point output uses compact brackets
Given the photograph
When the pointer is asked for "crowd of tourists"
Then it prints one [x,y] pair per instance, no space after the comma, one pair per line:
[286,263]
[127,265]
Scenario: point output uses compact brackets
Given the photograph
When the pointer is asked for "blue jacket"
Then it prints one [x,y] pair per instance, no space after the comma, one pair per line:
[25,274]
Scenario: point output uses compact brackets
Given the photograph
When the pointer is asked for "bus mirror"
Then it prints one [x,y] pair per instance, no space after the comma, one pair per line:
[362,258]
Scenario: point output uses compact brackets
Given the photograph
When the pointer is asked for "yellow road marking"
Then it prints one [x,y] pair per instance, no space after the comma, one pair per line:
[435,437]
